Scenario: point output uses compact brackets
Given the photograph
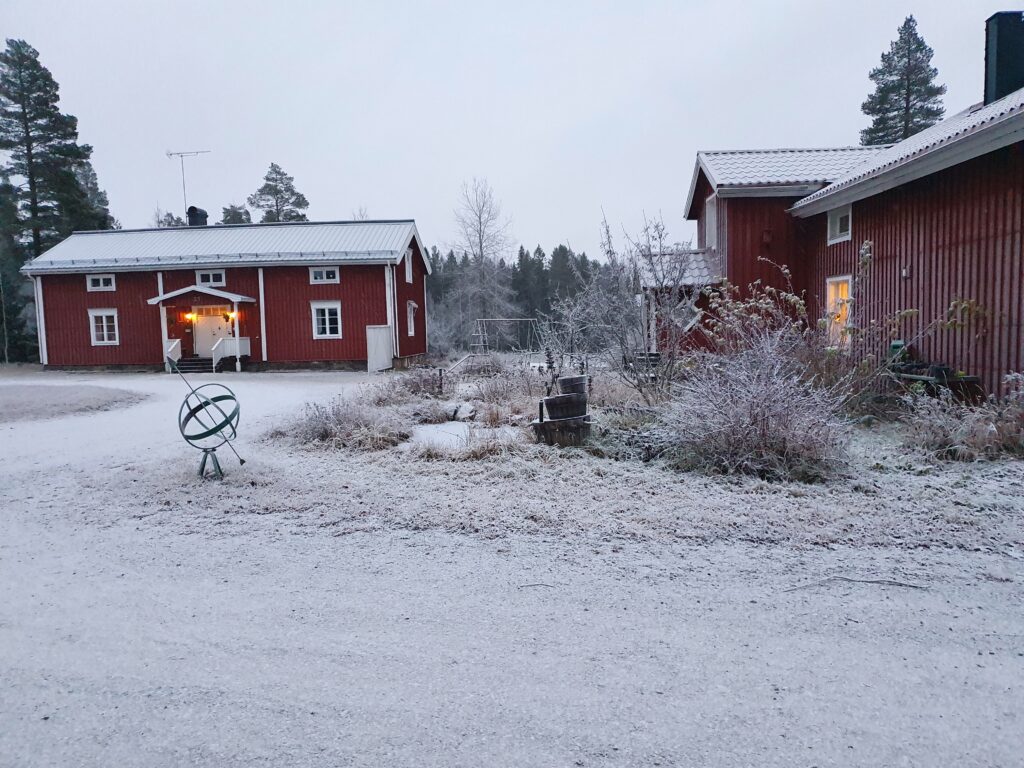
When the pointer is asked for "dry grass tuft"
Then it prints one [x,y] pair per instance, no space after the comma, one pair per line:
[349,424]
[950,430]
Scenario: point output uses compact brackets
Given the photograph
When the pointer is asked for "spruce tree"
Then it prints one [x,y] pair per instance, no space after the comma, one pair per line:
[278,198]
[43,148]
[14,341]
[235,214]
[906,99]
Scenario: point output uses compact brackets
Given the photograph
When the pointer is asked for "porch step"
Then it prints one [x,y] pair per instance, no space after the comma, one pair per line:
[196,365]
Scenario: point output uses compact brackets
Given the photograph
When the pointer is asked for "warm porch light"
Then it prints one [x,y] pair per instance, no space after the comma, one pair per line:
[232,315]
[190,316]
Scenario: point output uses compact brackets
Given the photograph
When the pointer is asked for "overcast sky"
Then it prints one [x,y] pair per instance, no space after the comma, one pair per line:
[566,108]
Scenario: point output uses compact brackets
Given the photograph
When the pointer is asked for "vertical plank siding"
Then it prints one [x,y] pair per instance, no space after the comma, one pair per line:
[66,304]
[959,232]
[404,292]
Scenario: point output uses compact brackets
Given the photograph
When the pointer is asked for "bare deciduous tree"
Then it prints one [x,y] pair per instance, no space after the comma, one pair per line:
[636,313]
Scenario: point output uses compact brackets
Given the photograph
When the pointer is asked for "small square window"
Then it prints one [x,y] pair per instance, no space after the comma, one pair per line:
[408,265]
[210,278]
[840,224]
[323,275]
[103,327]
[100,283]
[326,319]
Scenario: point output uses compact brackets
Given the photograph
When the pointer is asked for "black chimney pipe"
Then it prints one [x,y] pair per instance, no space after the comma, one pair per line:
[196,216]
[1004,54]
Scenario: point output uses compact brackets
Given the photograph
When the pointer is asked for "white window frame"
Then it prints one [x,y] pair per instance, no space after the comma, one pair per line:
[314,306]
[100,278]
[408,265]
[93,314]
[410,317]
[211,284]
[834,235]
[323,279]
[836,332]
[711,221]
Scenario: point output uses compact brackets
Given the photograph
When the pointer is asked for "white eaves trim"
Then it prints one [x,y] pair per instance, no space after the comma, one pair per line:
[227,295]
[938,159]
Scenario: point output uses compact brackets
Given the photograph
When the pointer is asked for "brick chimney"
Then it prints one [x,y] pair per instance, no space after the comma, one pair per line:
[1004,54]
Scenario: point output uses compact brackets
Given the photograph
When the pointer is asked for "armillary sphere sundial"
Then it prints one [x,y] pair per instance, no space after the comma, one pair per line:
[208,420]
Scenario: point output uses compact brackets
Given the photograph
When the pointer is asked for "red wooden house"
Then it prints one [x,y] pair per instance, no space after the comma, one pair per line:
[943,212]
[259,295]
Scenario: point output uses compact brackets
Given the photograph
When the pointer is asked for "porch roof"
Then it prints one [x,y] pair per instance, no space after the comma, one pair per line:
[227,295]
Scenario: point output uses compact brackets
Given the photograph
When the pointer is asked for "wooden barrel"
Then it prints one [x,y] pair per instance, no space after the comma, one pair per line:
[566,406]
[563,432]
[573,385]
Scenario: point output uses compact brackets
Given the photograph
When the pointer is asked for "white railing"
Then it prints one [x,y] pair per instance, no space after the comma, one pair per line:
[230,346]
[173,351]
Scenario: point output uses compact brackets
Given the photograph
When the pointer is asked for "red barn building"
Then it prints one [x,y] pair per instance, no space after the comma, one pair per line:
[260,295]
[943,212]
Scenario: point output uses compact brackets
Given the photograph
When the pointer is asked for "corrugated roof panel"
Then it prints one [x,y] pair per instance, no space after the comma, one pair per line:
[764,167]
[967,123]
[383,241]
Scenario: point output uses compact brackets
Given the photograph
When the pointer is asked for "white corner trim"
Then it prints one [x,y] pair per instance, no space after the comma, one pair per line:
[163,322]
[44,358]
[263,316]
[389,298]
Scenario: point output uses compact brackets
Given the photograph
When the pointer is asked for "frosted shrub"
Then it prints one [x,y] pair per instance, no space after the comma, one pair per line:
[755,411]
[951,430]
[349,424]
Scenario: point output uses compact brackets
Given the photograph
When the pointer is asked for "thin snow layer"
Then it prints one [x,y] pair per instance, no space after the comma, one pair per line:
[611,614]
[29,402]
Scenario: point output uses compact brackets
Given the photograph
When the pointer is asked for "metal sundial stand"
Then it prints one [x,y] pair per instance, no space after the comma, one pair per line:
[210,453]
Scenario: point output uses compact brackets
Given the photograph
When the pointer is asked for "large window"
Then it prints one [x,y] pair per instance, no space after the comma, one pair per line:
[410,317]
[711,222]
[326,319]
[837,299]
[408,265]
[103,327]
[840,221]
[323,275]
[100,283]
[210,278]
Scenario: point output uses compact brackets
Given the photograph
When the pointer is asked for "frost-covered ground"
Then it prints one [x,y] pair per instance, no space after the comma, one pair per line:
[337,609]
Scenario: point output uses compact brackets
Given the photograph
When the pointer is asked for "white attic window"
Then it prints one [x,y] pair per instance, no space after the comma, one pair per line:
[210,278]
[321,275]
[408,265]
[100,283]
[840,224]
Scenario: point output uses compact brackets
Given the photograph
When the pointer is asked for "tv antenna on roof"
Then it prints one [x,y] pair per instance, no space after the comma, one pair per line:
[181,156]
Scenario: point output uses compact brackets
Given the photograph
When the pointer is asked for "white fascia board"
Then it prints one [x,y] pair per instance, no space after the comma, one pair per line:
[84,267]
[698,166]
[938,159]
[769,190]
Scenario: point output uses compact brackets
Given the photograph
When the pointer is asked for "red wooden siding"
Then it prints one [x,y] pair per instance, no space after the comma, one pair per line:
[287,290]
[959,232]
[759,228]
[405,292]
[66,305]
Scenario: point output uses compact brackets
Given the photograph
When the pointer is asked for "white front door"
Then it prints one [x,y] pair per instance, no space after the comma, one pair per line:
[208,330]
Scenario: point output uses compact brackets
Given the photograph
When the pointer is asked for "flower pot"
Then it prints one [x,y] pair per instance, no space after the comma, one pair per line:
[566,406]
[573,385]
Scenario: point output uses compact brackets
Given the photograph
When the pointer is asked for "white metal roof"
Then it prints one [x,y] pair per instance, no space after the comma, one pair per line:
[698,267]
[336,242]
[971,133]
[744,171]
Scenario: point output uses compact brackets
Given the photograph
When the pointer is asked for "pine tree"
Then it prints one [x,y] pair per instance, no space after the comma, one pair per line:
[43,147]
[14,341]
[235,214]
[278,198]
[166,220]
[906,99]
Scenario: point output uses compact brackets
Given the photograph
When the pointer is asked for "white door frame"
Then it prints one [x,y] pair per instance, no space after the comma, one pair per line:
[197,318]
